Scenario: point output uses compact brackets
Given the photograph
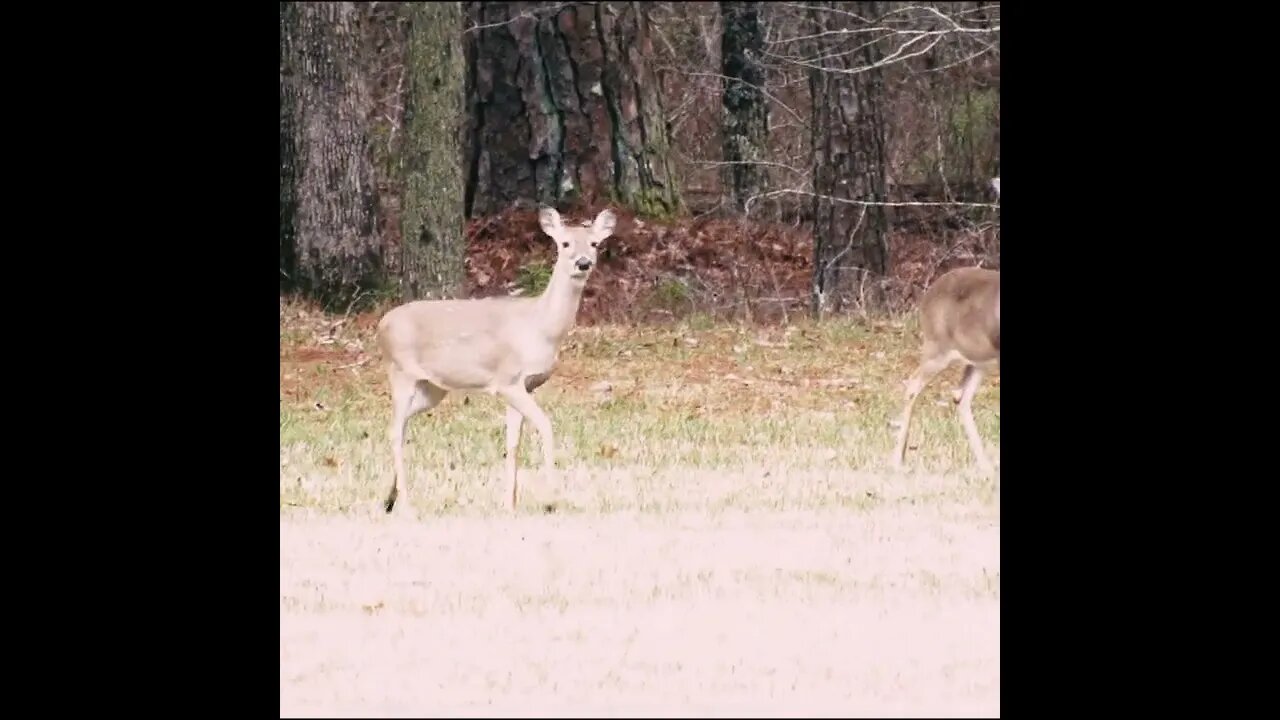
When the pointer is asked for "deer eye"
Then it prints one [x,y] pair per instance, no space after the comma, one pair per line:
[564,244]
[595,244]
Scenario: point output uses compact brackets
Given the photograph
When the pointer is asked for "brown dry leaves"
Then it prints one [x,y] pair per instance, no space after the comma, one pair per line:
[722,260]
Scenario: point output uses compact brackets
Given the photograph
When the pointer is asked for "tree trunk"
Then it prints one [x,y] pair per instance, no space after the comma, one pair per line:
[746,119]
[433,246]
[327,174]
[643,175]
[848,162]
[560,113]
[288,153]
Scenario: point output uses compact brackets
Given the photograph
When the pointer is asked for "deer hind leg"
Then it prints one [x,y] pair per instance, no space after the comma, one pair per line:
[519,400]
[408,398]
[969,388]
[930,365]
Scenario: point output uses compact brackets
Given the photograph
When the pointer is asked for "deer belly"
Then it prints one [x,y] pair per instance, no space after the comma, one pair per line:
[468,365]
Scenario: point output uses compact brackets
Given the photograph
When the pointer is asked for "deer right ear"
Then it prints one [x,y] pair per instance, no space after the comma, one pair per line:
[549,219]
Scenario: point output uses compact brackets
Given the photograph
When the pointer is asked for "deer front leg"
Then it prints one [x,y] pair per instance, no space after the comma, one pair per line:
[522,402]
[515,423]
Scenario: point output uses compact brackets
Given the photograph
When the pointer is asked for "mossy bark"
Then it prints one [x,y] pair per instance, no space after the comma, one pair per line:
[433,246]
[643,175]
[560,114]
[849,239]
[746,114]
[329,238]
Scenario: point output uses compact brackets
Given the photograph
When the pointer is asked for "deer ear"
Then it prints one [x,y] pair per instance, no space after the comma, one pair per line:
[604,223]
[549,219]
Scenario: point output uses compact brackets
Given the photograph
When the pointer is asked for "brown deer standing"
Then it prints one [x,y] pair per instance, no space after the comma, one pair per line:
[960,320]
[507,346]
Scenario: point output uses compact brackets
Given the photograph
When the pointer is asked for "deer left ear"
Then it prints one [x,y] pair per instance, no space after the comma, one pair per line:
[605,223]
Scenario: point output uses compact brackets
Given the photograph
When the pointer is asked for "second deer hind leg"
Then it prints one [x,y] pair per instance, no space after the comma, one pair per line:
[969,388]
[521,407]
[408,398]
[931,364]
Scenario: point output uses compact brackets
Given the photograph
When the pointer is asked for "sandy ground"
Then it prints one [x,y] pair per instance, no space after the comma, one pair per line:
[890,611]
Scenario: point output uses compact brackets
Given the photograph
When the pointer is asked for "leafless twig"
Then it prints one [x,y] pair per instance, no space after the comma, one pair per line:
[867,203]
[762,91]
[529,14]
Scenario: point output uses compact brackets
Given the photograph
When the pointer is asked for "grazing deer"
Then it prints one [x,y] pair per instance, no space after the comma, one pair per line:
[506,346]
[960,320]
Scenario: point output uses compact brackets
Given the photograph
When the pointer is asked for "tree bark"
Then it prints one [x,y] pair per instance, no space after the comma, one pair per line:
[643,175]
[433,246]
[746,119]
[288,153]
[328,197]
[564,108]
[848,163]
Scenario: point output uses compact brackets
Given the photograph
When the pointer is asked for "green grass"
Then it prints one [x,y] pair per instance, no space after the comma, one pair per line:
[745,406]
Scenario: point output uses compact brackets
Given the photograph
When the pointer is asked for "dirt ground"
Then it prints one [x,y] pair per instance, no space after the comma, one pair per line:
[892,610]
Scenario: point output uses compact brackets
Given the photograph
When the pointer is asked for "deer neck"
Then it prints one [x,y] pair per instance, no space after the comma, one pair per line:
[558,306]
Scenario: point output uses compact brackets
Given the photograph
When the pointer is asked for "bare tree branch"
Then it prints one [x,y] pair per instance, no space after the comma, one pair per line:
[533,14]
[868,203]
[915,30]
[763,91]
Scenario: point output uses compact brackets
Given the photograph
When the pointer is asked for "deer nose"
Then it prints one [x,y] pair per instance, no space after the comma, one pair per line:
[584,264]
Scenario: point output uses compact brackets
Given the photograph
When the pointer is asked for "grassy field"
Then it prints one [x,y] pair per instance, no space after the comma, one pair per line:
[722,535]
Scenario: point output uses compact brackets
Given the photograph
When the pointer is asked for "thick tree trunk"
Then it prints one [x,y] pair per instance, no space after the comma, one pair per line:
[288,153]
[746,119]
[432,242]
[850,252]
[538,116]
[336,249]
[560,113]
[643,175]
